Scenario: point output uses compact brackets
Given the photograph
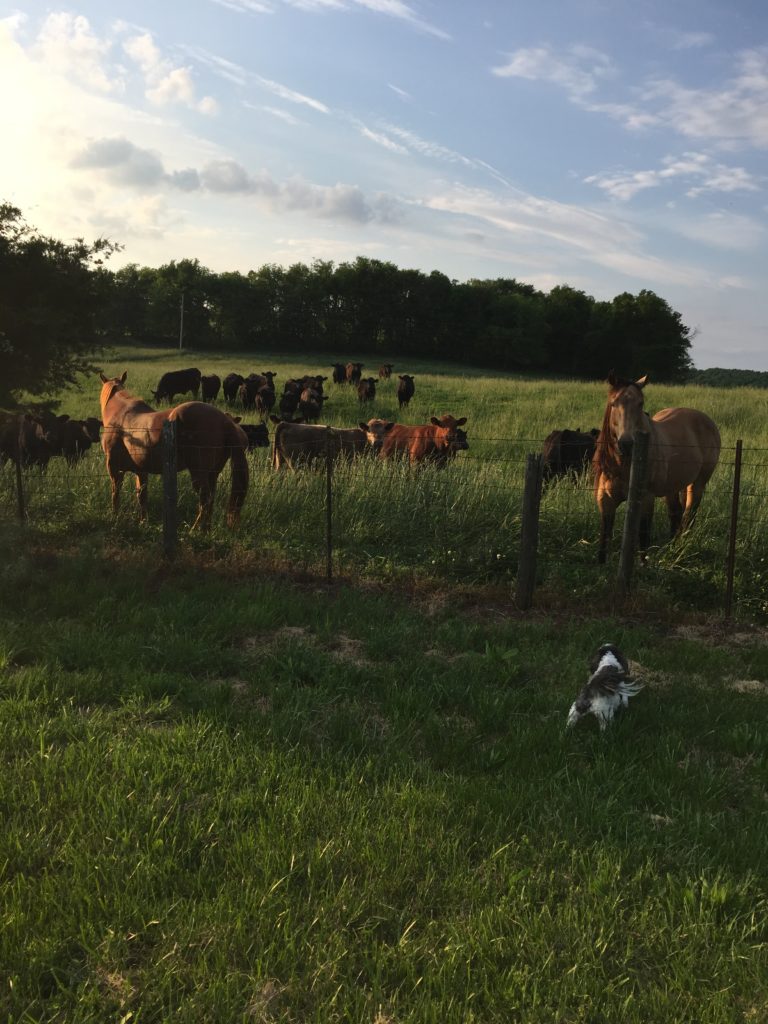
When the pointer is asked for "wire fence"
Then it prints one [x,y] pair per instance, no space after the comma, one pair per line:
[344,512]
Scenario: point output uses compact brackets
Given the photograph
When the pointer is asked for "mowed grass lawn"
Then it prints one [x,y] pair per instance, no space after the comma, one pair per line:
[230,796]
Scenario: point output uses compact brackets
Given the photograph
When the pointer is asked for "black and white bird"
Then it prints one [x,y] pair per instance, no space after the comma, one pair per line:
[609,687]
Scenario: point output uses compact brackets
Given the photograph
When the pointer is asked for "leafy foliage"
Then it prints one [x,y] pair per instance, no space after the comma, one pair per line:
[51,298]
[717,377]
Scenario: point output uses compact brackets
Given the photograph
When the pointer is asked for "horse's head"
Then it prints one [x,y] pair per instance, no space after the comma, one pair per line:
[109,385]
[624,414]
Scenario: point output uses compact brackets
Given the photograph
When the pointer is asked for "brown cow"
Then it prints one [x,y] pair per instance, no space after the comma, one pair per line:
[302,443]
[385,371]
[354,373]
[436,442]
[366,390]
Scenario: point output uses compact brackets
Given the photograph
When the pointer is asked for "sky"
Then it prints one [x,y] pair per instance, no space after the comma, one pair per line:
[605,144]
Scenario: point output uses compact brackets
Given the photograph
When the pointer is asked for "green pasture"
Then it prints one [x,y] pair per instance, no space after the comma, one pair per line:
[462,524]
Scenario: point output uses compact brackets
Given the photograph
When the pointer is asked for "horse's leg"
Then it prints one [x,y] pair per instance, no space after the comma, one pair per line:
[693,496]
[142,495]
[116,479]
[675,510]
[205,488]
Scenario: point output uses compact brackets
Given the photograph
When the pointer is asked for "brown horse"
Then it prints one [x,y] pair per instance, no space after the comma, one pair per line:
[205,439]
[683,450]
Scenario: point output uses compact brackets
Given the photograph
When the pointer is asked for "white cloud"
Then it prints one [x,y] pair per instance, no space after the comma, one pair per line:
[691,40]
[382,140]
[245,6]
[578,72]
[392,8]
[698,167]
[67,45]
[164,83]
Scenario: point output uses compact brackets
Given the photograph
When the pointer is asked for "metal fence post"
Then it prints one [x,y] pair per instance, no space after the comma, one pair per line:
[731,558]
[329,503]
[170,488]
[637,477]
[529,532]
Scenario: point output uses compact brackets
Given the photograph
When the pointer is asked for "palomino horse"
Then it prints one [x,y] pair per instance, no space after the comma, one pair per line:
[205,439]
[683,450]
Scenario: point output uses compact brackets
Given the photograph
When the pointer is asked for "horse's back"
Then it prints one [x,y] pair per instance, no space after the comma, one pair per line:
[691,441]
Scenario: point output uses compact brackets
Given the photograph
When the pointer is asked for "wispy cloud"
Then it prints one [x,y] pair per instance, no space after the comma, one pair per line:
[382,140]
[165,84]
[241,76]
[691,40]
[405,96]
[691,167]
[68,45]
[578,71]
[391,8]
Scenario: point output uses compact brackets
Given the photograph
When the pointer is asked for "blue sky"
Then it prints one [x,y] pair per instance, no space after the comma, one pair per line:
[609,145]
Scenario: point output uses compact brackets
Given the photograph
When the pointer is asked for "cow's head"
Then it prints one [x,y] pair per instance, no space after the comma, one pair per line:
[375,432]
[455,438]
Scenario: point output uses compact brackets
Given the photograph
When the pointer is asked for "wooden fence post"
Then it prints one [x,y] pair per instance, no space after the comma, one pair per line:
[529,532]
[731,559]
[637,476]
[329,503]
[170,488]
[21,510]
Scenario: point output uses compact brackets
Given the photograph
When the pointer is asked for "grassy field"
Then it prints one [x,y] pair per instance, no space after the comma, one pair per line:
[227,796]
[461,525]
[234,792]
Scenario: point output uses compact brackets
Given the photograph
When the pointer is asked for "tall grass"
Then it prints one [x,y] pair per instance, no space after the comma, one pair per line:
[462,523]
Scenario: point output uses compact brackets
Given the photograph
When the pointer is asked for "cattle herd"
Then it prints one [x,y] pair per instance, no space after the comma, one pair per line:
[38,437]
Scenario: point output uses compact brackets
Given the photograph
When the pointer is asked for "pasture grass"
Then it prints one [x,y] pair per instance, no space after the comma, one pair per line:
[229,796]
[461,525]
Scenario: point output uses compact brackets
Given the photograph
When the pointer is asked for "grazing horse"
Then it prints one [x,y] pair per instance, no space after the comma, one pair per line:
[205,439]
[683,449]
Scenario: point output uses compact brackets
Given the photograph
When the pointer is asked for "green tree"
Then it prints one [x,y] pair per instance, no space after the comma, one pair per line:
[52,298]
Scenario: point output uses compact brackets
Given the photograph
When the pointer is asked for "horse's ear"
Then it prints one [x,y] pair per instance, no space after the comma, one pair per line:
[123,376]
[103,378]
[642,381]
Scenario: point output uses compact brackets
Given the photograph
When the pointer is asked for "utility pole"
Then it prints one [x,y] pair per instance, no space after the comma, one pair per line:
[181,323]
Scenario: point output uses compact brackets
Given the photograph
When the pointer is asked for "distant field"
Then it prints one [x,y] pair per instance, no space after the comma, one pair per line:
[462,524]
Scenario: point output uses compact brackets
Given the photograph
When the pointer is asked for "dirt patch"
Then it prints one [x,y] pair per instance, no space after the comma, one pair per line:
[261,642]
[350,651]
[660,820]
[718,633]
[748,686]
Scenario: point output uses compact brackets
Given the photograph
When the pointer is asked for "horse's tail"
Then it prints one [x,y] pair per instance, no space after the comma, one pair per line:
[240,475]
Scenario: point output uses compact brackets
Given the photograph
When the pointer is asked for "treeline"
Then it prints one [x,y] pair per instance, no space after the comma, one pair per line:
[375,307]
[717,377]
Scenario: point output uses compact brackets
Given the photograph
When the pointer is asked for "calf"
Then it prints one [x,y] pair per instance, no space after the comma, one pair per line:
[209,387]
[246,394]
[354,373]
[178,382]
[295,444]
[339,373]
[405,389]
[568,452]
[311,404]
[257,434]
[265,400]
[366,390]
[437,442]
[385,371]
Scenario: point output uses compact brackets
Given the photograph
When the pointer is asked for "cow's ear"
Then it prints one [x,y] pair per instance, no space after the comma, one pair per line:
[63,418]
[103,378]
[461,422]
[275,419]
[435,422]
[123,376]
[236,419]
[388,426]
[642,381]
[363,426]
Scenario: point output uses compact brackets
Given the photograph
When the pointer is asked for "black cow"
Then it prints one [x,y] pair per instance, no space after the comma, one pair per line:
[210,386]
[568,452]
[339,373]
[366,390]
[231,386]
[246,394]
[289,400]
[311,404]
[385,371]
[405,389]
[77,436]
[257,434]
[178,382]
[265,400]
